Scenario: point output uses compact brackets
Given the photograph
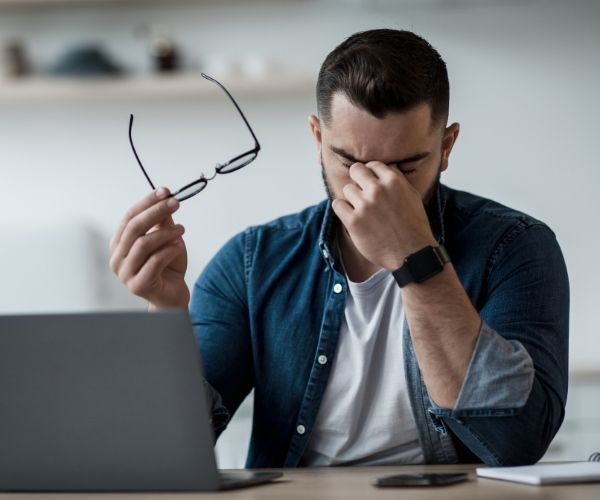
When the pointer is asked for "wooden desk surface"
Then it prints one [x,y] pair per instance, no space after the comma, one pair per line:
[349,483]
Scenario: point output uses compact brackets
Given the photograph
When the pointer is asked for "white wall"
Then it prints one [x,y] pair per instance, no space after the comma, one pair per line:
[524,76]
[524,87]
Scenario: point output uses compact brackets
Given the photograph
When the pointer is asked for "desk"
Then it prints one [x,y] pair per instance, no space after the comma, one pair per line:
[354,483]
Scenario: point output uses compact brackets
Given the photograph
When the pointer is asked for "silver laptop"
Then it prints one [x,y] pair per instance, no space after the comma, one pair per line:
[106,402]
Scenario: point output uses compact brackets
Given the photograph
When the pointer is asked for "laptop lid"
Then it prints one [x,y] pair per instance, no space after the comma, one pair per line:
[103,402]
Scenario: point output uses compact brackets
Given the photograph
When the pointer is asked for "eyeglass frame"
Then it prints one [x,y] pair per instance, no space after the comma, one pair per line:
[252,153]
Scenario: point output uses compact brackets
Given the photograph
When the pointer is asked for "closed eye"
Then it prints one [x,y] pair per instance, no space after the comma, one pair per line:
[408,167]
[405,171]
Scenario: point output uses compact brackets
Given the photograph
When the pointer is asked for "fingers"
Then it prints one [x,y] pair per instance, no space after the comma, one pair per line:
[382,171]
[143,250]
[369,174]
[343,210]
[157,214]
[366,185]
[148,278]
[353,195]
[362,175]
[153,211]
[150,199]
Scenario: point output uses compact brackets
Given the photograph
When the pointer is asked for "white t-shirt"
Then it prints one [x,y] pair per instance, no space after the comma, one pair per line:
[365,416]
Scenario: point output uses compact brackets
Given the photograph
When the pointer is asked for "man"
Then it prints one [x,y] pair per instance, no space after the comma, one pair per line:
[399,321]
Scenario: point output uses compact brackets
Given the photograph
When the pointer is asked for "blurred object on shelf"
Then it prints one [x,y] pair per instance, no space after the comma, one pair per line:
[222,67]
[164,54]
[163,50]
[258,66]
[249,66]
[85,60]
[13,61]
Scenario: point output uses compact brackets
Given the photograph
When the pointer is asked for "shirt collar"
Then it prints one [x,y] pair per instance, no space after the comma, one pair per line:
[327,234]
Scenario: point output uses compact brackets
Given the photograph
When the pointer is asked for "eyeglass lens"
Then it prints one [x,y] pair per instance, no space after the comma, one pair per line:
[190,190]
[237,163]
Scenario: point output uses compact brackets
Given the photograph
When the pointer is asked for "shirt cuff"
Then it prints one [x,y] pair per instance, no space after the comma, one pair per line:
[499,378]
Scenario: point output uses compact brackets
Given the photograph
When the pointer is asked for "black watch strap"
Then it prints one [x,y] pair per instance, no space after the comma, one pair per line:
[422,265]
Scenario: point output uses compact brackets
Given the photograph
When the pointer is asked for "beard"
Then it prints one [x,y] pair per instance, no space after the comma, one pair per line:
[433,188]
[326,184]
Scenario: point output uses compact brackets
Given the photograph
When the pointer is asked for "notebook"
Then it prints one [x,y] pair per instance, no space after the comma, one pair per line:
[547,473]
[106,402]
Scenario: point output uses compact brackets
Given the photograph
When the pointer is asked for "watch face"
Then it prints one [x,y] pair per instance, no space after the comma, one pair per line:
[421,265]
[424,264]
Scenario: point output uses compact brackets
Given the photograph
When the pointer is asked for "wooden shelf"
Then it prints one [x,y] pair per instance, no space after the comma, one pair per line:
[173,86]
[32,4]
[53,3]
[585,373]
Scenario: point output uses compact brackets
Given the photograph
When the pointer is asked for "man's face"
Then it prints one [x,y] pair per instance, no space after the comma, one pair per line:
[406,141]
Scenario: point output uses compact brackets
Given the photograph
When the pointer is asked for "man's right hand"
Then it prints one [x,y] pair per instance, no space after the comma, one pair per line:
[148,252]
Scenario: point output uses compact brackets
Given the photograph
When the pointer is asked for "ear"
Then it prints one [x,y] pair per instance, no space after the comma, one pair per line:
[315,127]
[450,136]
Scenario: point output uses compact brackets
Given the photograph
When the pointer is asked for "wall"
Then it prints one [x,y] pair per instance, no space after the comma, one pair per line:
[524,79]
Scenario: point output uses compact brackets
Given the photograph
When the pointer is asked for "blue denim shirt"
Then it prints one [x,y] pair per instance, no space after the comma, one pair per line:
[272,300]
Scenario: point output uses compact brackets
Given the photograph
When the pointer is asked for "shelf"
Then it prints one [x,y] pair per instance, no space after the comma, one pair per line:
[32,4]
[52,3]
[172,86]
[585,373]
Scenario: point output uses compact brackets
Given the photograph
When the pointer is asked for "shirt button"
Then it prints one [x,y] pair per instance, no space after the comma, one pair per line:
[325,253]
[322,359]
[300,429]
[337,288]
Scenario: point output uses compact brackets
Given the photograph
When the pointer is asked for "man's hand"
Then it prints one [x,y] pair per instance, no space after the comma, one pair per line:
[148,252]
[383,214]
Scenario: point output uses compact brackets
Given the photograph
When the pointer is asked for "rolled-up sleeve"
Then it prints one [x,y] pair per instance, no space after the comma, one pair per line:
[500,374]
[512,400]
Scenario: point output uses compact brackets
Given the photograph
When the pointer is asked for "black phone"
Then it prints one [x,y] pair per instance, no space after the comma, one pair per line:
[425,479]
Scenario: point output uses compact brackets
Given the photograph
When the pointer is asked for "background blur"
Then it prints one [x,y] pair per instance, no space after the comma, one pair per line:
[524,80]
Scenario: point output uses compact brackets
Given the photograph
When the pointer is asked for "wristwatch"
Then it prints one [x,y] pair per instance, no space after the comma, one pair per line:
[421,265]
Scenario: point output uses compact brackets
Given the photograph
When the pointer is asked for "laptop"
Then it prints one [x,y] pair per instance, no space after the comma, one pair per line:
[106,402]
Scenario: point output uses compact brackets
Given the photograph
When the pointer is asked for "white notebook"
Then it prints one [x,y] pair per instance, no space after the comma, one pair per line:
[549,473]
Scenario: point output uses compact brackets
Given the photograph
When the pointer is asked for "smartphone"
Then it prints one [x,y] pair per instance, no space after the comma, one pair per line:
[425,479]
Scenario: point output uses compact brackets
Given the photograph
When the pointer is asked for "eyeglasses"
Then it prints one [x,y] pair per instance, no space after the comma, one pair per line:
[232,165]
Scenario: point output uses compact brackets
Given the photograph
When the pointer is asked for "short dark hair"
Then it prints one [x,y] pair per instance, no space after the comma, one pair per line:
[385,71]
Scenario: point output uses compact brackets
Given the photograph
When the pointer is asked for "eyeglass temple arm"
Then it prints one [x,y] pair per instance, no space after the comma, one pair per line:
[236,107]
[135,152]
